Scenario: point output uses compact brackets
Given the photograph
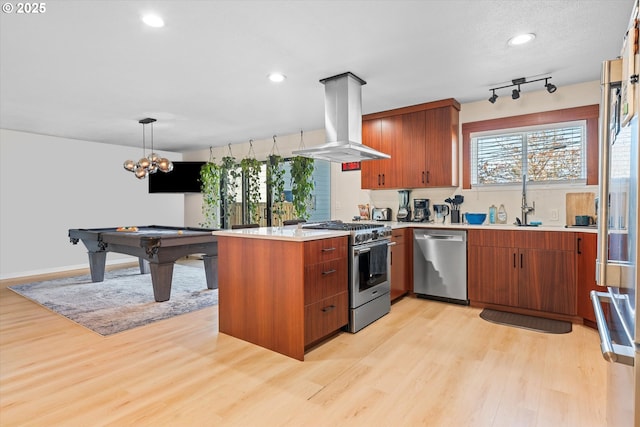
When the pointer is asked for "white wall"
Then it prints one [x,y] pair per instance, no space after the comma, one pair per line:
[50,184]
[345,186]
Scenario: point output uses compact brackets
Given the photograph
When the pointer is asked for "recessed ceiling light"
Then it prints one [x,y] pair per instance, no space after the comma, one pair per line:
[277,77]
[521,39]
[153,21]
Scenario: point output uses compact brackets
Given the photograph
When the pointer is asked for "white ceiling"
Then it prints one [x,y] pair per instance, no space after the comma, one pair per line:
[90,70]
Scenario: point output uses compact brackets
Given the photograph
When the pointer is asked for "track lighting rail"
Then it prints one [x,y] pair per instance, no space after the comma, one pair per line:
[515,93]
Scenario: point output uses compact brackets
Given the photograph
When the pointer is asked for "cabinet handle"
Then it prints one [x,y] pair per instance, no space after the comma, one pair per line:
[379,182]
[328,249]
[423,177]
[328,272]
[427,177]
[383,180]
[514,260]
[578,245]
[521,260]
[328,308]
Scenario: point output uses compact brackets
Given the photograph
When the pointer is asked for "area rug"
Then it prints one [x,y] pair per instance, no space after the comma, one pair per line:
[532,323]
[124,300]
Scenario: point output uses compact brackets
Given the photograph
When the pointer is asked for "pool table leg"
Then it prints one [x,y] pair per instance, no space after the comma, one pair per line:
[144,266]
[97,261]
[161,275]
[211,270]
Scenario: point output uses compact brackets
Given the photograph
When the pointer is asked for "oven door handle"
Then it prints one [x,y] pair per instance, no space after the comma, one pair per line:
[362,251]
[392,243]
[611,351]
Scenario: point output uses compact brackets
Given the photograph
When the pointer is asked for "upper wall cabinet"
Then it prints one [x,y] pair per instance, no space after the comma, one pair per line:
[422,141]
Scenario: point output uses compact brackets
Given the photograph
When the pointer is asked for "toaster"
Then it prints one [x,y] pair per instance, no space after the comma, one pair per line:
[381,214]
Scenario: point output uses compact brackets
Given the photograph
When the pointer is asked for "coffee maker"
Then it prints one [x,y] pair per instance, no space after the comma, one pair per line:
[421,210]
[404,209]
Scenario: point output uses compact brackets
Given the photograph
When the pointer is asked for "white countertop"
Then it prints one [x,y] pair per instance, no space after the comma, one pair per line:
[294,233]
[291,232]
[561,228]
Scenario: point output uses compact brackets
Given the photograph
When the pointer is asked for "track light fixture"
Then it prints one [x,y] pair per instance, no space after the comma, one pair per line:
[493,97]
[550,87]
[515,93]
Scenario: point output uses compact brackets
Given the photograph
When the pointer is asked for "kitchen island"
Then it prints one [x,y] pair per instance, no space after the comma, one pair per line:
[282,288]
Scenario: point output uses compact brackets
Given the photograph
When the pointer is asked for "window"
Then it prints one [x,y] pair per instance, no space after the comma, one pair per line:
[319,205]
[587,116]
[545,154]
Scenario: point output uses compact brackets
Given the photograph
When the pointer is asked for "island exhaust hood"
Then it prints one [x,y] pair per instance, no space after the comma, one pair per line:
[343,123]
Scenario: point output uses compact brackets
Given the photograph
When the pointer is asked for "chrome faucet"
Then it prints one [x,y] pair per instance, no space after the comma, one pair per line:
[526,209]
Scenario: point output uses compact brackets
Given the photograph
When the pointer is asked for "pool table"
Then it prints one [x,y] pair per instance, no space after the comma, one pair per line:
[157,248]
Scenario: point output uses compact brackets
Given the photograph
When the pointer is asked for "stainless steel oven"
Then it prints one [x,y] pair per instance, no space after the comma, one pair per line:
[370,283]
[369,270]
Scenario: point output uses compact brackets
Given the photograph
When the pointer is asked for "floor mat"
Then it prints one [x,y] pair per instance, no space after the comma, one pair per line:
[533,323]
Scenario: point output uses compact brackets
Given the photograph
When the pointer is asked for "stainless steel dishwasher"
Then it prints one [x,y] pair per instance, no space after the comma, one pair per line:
[440,265]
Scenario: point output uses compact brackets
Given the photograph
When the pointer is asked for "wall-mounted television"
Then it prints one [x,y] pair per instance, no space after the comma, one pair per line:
[184,178]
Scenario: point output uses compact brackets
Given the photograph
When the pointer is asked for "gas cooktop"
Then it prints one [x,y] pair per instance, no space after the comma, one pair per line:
[361,232]
[343,226]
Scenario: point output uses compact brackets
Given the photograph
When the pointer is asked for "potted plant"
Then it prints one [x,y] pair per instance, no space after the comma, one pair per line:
[301,185]
[251,170]
[275,181]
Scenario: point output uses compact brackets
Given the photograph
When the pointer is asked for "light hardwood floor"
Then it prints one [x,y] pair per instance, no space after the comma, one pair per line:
[424,364]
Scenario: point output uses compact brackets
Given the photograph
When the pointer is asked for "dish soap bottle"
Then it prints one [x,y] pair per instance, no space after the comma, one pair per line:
[502,215]
[492,214]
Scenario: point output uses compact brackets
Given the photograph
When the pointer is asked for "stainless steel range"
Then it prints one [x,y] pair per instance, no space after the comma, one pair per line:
[369,270]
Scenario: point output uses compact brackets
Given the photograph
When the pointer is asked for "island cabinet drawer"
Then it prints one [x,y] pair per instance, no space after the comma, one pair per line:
[316,251]
[325,317]
[324,280]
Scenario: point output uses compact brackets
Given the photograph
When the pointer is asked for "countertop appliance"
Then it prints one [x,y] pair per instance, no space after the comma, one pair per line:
[421,211]
[440,265]
[381,214]
[369,270]
[404,209]
[617,264]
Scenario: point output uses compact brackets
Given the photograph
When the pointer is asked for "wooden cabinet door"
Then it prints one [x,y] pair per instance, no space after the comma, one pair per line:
[370,170]
[492,275]
[391,170]
[399,264]
[414,154]
[547,280]
[586,253]
[441,147]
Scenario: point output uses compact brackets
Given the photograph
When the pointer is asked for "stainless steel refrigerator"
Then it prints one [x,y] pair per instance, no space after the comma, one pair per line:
[616,266]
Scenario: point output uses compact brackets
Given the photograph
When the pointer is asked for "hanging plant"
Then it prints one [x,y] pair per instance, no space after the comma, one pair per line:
[275,181]
[210,187]
[301,182]
[251,171]
[229,175]
[301,185]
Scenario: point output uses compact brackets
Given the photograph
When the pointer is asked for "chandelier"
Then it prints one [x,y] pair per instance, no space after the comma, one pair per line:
[148,164]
